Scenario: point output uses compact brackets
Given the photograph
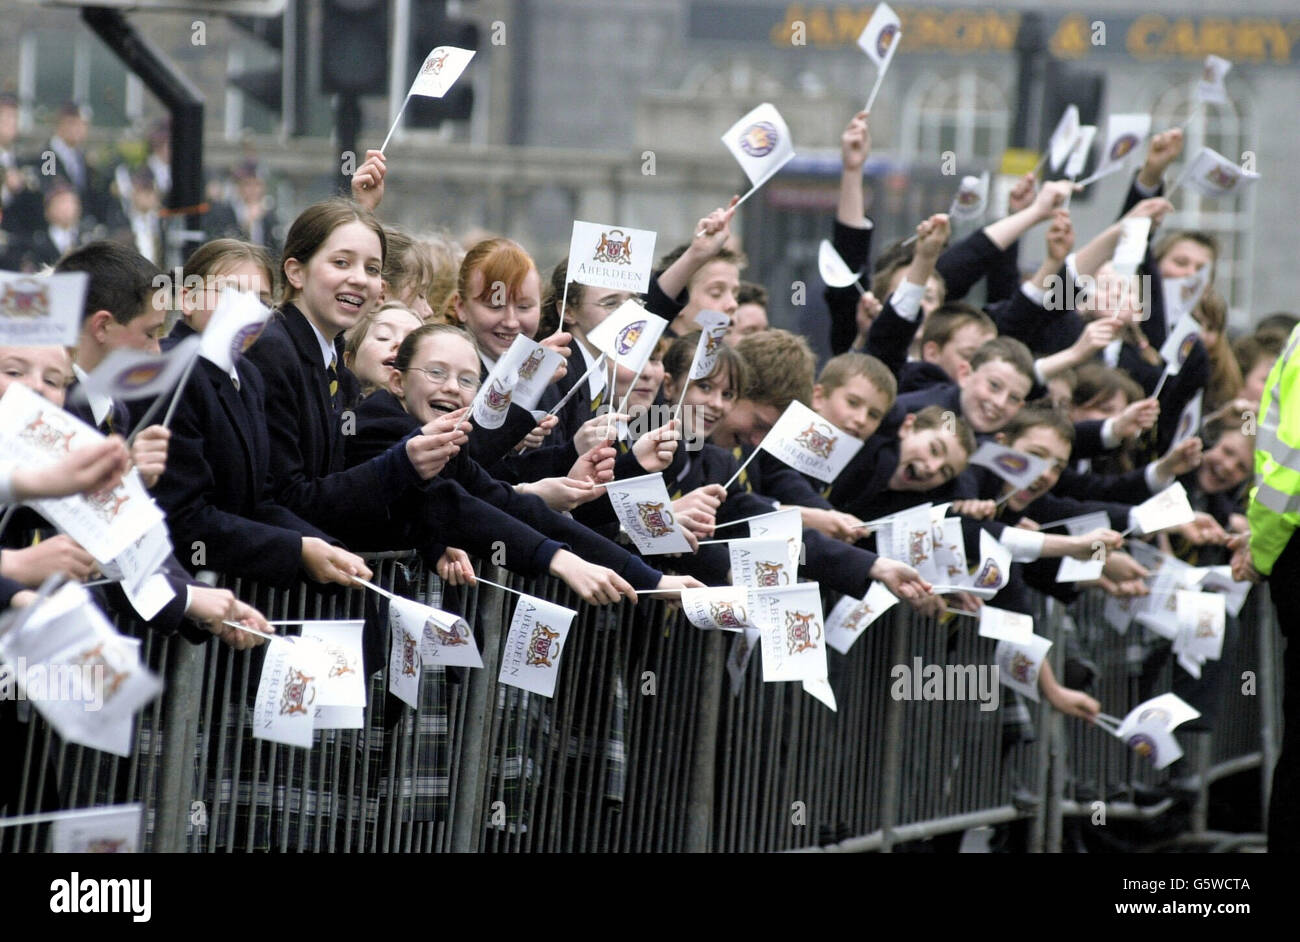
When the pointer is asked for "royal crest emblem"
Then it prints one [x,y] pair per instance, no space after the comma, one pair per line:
[542,647]
[1125,143]
[339,663]
[138,376]
[497,396]
[1185,348]
[25,297]
[1021,667]
[107,504]
[769,574]
[725,615]
[1158,714]
[113,678]
[628,337]
[990,575]
[759,139]
[1205,625]
[528,368]
[449,636]
[434,64]
[46,436]
[408,654]
[802,631]
[298,694]
[885,39]
[856,617]
[615,247]
[916,548]
[1012,464]
[244,338]
[654,518]
[966,198]
[819,440]
[1142,744]
[1222,177]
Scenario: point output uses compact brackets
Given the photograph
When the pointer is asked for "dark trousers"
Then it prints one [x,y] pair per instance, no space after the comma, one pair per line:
[1284,807]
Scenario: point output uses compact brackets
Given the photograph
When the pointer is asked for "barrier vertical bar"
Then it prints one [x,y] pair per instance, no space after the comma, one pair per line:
[893,745]
[180,729]
[704,752]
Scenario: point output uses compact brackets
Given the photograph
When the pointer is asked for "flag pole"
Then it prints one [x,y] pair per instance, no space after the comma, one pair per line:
[727,486]
[396,121]
[682,401]
[564,300]
[576,386]
[176,396]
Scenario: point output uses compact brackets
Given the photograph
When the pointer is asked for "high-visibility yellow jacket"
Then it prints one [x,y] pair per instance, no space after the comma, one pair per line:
[1274,511]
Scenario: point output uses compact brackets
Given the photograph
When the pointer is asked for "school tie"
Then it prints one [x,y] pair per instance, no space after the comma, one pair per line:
[334,382]
[108,420]
[743,480]
[597,399]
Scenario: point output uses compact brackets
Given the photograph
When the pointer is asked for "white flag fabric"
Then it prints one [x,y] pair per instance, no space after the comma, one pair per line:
[713,327]
[1063,138]
[1169,508]
[646,512]
[292,676]
[1202,621]
[779,525]
[1219,579]
[909,538]
[342,681]
[1183,294]
[405,660]
[1078,158]
[1085,523]
[113,830]
[1015,467]
[1080,570]
[1132,245]
[994,570]
[134,374]
[445,638]
[1005,625]
[81,675]
[971,199]
[520,376]
[1168,710]
[1179,344]
[1119,613]
[239,319]
[879,39]
[613,257]
[35,432]
[1211,174]
[1124,136]
[761,563]
[1210,87]
[491,404]
[834,270]
[949,552]
[628,336]
[761,144]
[851,617]
[1019,662]
[538,635]
[794,638]
[133,566]
[1189,422]
[440,70]
[810,444]
[820,689]
[42,311]
[720,608]
[1151,741]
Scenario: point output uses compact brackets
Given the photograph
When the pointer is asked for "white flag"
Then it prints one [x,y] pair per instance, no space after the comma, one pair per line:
[520,377]
[134,565]
[1219,579]
[909,538]
[445,638]
[1202,621]
[1189,423]
[761,144]
[971,199]
[1124,136]
[759,563]
[611,257]
[113,830]
[342,682]
[134,374]
[820,689]
[794,639]
[949,553]
[1063,138]
[42,310]
[834,270]
[1132,246]
[1005,625]
[1182,295]
[1119,613]
[237,322]
[1169,508]
[1151,741]
[851,617]
[719,608]
[538,635]
[1085,523]
[646,512]
[1168,710]
[994,570]
[1179,344]
[440,70]
[879,40]
[1015,467]
[628,336]
[1019,663]
[1210,87]
[780,524]
[292,676]
[405,660]
[1078,158]
[713,327]
[1080,570]
[1211,174]
[810,444]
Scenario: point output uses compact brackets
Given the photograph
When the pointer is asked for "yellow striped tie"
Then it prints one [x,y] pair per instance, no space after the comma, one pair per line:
[597,399]
[334,381]
[739,454]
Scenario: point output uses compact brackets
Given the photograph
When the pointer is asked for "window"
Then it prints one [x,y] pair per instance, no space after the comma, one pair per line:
[61,65]
[1225,129]
[964,113]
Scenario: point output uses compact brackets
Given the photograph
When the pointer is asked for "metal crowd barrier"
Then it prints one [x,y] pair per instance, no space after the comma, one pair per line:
[647,745]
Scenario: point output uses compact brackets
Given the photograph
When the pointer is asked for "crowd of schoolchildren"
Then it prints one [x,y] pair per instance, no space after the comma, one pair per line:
[396,333]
